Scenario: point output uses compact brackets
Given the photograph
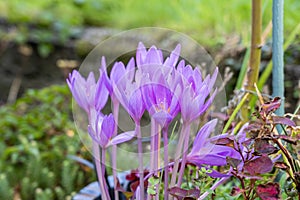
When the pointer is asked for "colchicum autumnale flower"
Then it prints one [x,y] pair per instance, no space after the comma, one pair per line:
[205,152]
[165,88]
[101,130]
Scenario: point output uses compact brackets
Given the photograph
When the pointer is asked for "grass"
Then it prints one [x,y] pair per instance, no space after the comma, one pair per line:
[209,22]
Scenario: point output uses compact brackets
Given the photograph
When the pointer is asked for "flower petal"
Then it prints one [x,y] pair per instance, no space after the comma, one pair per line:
[135,105]
[92,133]
[130,70]
[209,159]
[172,60]
[153,56]
[213,79]
[101,93]
[162,117]
[202,135]
[180,66]
[140,54]
[208,102]
[117,72]
[123,137]
[107,128]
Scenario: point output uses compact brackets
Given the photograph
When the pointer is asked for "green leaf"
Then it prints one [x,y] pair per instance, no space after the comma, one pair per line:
[153,180]
[151,191]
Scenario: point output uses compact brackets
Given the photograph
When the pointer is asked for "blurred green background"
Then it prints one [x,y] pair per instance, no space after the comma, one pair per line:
[37,132]
[209,22]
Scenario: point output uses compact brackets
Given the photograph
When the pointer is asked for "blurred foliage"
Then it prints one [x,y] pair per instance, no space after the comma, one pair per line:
[37,134]
[209,22]
[57,12]
[225,190]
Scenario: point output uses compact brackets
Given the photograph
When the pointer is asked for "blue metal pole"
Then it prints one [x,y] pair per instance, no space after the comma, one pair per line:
[277,56]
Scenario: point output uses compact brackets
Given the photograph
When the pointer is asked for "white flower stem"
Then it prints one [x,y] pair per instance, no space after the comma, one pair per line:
[166,162]
[177,155]
[114,149]
[184,155]
[157,156]
[152,151]
[101,179]
[140,157]
[152,143]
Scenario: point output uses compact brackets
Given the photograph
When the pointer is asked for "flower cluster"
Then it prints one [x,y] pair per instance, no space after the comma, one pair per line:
[163,87]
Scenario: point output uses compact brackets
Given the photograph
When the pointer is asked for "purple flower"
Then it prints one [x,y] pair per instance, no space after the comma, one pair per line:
[152,56]
[102,93]
[161,85]
[119,72]
[195,93]
[126,82]
[104,87]
[155,56]
[206,153]
[148,62]
[129,95]
[164,87]
[101,130]
[173,58]
[126,89]
[160,100]
[83,90]
[87,93]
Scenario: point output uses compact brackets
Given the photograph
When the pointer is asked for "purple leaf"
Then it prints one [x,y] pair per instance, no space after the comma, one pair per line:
[226,141]
[283,120]
[233,162]
[236,191]
[271,106]
[181,194]
[269,191]
[262,146]
[254,126]
[287,138]
[260,165]
[281,165]
[247,142]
